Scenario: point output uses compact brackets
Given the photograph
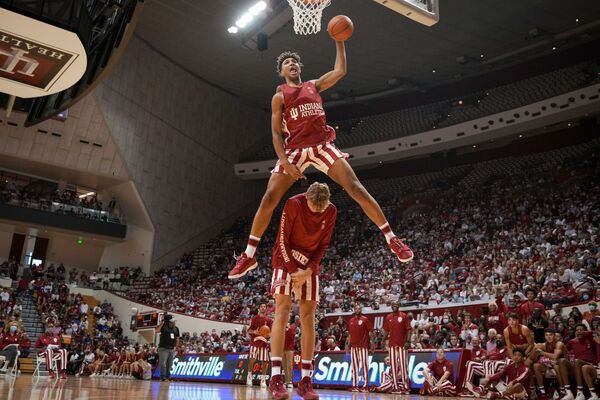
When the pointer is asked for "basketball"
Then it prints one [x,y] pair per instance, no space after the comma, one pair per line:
[340,28]
[264,331]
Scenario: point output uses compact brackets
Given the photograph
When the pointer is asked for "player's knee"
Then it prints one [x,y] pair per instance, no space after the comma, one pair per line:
[356,190]
[269,200]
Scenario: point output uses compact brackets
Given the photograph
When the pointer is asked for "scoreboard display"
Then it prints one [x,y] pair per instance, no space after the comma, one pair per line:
[150,319]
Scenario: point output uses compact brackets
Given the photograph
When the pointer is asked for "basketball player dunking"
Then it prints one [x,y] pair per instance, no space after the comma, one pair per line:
[308,140]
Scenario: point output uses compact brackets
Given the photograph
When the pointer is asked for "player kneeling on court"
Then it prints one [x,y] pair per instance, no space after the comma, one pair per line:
[439,377]
[512,382]
[304,234]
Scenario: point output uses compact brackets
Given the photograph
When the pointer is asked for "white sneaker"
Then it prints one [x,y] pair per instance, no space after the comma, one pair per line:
[556,395]
[249,381]
[92,375]
[594,396]
[263,384]
[568,396]
[580,396]
[289,385]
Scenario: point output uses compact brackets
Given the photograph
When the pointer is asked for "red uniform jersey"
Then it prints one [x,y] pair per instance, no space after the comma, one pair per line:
[584,348]
[290,338]
[496,320]
[478,353]
[256,322]
[9,339]
[45,340]
[359,328]
[526,309]
[304,117]
[497,354]
[517,338]
[514,374]
[437,369]
[398,327]
[303,235]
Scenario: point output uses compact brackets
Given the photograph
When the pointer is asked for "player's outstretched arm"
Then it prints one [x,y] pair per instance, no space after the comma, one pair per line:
[339,69]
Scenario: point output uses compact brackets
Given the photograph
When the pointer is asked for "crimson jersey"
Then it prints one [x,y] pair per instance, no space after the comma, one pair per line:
[584,348]
[514,374]
[527,309]
[256,322]
[517,338]
[397,326]
[303,235]
[496,320]
[46,340]
[497,354]
[290,338]
[8,339]
[304,117]
[478,353]
[437,369]
[359,328]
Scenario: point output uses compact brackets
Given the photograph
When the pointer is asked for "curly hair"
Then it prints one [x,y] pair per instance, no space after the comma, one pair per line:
[283,56]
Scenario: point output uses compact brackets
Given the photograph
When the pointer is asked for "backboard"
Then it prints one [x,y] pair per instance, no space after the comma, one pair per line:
[425,12]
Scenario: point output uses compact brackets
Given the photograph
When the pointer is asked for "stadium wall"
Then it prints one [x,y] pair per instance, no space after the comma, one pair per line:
[180,138]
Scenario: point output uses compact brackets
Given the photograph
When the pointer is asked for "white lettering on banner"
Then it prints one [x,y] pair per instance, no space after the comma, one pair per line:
[415,372]
[195,367]
[340,371]
[378,323]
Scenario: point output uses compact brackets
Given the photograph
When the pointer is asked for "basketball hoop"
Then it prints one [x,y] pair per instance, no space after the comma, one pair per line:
[307,15]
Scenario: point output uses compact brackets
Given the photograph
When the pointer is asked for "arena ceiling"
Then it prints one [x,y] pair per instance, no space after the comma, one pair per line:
[387,51]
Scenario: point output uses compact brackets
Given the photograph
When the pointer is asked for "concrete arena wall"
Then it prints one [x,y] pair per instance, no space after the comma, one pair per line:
[180,137]
[123,306]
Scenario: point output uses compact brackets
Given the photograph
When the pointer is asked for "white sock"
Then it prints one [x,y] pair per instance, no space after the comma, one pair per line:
[387,232]
[275,369]
[306,372]
[251,246]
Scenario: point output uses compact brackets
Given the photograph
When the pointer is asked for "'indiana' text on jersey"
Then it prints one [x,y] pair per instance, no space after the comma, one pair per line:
[305,110]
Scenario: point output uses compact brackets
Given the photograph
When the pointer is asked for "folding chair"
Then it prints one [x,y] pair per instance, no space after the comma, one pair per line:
[42,360]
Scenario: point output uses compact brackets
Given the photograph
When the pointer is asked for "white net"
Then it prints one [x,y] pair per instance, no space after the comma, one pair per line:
[307,15]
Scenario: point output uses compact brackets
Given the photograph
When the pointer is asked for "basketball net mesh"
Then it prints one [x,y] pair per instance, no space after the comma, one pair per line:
[307,15]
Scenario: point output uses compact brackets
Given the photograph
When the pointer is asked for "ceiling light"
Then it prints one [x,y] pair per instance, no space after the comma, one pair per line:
[249,15]
[481,55]
[433,70]
[576,19]
[460,102]
[233,29]
[81,196]
[474,146]
[553,47]
[522,135]
[569,124]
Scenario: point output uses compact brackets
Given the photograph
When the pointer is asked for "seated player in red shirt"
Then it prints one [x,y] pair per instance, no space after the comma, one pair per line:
[582,351]
[9,346]
[545,357]
[259,346]
[590,372]
[512,382]
[439,377]
[475,364]
[49,346]
[304,234]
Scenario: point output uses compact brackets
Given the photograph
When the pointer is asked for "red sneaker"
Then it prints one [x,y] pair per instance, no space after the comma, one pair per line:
[243,265]
[63,374]
[402,251]
[277,389]
[354,389]
[305,389]
[52,374]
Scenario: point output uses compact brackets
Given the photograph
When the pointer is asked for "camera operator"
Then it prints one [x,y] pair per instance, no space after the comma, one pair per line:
[169,340]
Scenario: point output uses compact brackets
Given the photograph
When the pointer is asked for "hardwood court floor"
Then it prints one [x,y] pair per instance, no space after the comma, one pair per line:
[25,387]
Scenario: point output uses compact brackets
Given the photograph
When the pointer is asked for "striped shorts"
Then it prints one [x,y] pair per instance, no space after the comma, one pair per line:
[281,283]
[260,353]
[321,157]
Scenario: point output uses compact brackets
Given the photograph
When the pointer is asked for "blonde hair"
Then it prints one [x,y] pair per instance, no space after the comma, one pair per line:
[318,194]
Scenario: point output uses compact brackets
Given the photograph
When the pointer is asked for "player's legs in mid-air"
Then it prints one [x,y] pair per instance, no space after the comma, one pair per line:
[334,164]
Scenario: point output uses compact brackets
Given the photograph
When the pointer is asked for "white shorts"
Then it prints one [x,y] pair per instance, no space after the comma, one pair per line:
[260,353]
[321,157]
[281,283]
